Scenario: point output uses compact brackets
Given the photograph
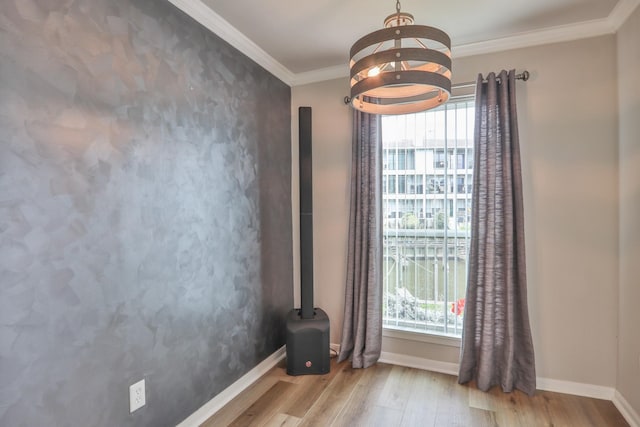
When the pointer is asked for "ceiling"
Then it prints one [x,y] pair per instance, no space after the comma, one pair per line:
[310,40]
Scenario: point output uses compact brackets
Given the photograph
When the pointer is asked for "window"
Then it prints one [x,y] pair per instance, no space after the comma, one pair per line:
[399,158]
[414,184]
[389,184]
[439,159]
[460,159]
[426,231]
[402,184]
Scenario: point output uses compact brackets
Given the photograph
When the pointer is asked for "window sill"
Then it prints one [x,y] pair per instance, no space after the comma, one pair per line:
[404,334]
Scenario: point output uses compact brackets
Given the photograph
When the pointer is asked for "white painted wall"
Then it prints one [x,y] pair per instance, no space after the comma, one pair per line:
[629,129]
[568,131]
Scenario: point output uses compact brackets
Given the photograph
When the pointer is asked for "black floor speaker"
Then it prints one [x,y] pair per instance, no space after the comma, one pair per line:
[307,327]
[308,343]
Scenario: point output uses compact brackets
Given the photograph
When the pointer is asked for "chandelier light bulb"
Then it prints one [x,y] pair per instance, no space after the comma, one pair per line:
[373,71]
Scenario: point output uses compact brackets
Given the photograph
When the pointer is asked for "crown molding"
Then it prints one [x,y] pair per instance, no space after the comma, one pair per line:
[219,26]
[557,34]
[202,13]
[620,13]
[562,33]
[321,74]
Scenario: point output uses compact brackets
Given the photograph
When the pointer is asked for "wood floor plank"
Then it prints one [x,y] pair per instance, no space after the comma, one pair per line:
[609,412]
[397,388]
[332,400]
[479,399]
[372,416]
[453,403]
[302,402]
[573,409]
[483,418]
[282,420]
[540,410]
[555,408]
[365,395]
[240,403]
[518,409]
[589,408]
[422,406]
[266,407]
[386,395]
[523,408]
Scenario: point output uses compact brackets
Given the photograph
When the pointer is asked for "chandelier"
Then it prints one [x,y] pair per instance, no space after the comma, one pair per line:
[403,68]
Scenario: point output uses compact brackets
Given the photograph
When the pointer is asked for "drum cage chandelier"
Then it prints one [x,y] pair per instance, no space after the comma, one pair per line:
[403,68]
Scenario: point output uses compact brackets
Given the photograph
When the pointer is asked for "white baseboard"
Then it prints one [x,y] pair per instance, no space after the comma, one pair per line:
[419,363]
[626,410]
[558,386]
[577,389]
[226,395]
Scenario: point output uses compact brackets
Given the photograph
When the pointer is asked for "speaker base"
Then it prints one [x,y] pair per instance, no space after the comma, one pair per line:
[308,343]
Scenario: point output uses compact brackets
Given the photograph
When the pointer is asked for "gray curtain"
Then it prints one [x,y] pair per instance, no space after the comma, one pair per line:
[362,326]
[496,339]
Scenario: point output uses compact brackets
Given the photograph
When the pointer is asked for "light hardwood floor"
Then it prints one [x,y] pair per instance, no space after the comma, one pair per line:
[388,395]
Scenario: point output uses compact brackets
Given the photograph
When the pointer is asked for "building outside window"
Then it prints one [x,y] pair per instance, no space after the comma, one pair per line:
[395,158]
[426,231]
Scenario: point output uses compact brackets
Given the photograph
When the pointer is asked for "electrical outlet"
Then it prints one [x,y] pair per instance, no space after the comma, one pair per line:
[137,396]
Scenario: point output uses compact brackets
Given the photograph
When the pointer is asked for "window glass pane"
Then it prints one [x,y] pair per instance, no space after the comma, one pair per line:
[402,159]
[460,159]
[411,159]
[402,179]
[392,184]
[427,178]
[439,159]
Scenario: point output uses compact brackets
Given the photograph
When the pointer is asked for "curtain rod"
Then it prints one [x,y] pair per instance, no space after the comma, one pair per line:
[524,76]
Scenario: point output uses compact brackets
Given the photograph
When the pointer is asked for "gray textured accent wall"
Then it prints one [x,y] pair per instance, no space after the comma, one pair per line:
[145,212]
